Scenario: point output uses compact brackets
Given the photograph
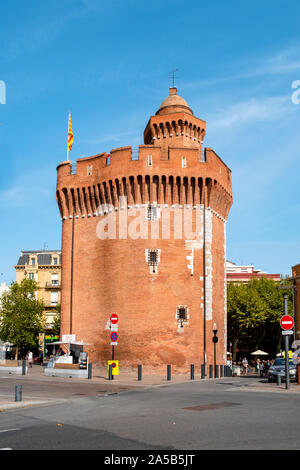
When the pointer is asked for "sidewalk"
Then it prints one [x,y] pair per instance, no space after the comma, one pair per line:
[37,389]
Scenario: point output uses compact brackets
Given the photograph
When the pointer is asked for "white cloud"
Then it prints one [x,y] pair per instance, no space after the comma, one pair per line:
[253,110]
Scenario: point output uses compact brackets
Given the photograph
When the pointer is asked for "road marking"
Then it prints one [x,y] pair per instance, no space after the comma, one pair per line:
[9,430]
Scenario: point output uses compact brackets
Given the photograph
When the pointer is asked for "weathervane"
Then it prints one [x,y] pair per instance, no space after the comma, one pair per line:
[173,77]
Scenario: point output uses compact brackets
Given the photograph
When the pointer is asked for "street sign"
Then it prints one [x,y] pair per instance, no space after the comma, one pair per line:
[115,367]
[114,318]
[114,336]
[113,327]
[287,322]
[287,332]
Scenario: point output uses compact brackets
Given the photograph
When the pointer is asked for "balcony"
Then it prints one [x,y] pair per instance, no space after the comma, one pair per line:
[52,285]
[49,304]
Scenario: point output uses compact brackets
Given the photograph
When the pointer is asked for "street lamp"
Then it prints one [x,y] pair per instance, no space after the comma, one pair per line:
[215,340]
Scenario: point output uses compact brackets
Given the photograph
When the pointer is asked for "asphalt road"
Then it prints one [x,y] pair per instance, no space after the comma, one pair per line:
[224,414]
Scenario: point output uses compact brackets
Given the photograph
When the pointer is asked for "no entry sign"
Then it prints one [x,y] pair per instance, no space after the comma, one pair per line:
[287,322]
[114,318]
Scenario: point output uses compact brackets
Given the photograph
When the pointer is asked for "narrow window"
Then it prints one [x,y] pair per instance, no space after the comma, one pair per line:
[153,259]
[54,298]
[54,279]
[152,212]
[89,170]
[183,162]
[182,315]
[32,261]
[31,276]
[150,160]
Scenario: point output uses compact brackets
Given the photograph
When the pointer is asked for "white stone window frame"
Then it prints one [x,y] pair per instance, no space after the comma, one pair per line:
[150,161]
[89,170]
[153,267]
[183,162]
[179,321]
[152,212]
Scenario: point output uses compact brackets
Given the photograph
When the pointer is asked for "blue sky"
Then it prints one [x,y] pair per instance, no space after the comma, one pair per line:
[109,63]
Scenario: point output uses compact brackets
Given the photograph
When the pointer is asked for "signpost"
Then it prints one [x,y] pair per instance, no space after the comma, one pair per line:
[287,324]
[114,340]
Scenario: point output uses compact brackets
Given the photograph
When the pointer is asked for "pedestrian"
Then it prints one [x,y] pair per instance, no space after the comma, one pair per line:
[257,365]
[261,368]
[29,358]
[245,365]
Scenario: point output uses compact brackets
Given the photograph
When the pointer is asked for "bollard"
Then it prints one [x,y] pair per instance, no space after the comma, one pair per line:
[221,370]
[89,371]
[192,372]
[210,371]
[110,377]
[202,371]
[168,372]
[139,372]
[18,393]
[23,367]
[278,379]
[216,372]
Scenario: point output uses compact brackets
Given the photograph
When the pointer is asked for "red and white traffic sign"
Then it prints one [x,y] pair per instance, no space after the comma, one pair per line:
[114,318]
[287,322]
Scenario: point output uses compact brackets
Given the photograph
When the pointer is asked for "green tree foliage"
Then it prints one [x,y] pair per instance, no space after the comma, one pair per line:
[253,314]
[21,316]
[56,322]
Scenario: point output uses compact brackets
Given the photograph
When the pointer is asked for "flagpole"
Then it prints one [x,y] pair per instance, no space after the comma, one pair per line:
[68,137]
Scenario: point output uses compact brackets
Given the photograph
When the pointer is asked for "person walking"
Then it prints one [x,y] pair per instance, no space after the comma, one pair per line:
[30,358]
[245,366]
[261,368]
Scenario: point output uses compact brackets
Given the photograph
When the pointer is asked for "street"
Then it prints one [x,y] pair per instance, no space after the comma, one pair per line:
[231,413]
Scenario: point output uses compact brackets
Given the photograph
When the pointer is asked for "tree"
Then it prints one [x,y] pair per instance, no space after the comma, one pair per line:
[253,314]
[56,321]
[22,316]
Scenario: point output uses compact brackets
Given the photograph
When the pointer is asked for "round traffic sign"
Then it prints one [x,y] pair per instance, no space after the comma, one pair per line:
[114,318]
[287,322]
[114,336]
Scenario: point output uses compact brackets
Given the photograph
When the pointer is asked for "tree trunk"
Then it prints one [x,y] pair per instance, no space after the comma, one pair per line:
[234,348]
[17,353]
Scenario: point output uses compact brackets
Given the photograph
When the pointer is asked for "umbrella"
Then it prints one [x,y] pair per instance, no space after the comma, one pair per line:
[259,353]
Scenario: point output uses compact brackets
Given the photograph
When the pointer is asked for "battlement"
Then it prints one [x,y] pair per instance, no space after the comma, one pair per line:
[147,158]
[151,178]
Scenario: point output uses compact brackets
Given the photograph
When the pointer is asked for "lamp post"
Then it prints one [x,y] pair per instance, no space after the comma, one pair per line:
[215,340]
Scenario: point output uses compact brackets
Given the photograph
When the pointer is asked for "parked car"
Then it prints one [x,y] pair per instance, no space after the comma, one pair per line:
[278,368]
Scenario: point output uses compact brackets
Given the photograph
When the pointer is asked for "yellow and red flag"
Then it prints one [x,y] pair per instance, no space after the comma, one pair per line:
[70,134]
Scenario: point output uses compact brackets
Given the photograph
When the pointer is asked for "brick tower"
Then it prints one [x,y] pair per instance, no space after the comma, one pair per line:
[144,236]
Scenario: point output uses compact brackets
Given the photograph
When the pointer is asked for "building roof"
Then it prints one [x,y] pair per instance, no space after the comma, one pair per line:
[44,257]
[174,103]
